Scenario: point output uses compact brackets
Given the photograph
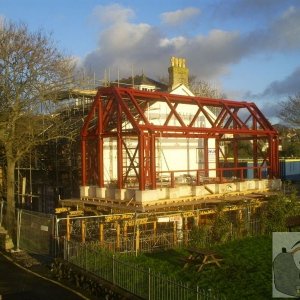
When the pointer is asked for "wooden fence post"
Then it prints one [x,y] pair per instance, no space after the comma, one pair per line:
[154,230]
[125,230]
[101,234]
[175,232]
[118,236]
[68,228]
[83,231]
[137,240]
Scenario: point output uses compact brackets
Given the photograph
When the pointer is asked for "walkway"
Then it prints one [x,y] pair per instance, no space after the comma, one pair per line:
[17,283]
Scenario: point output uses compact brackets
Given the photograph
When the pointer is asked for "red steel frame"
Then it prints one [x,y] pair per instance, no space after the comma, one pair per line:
[234,121]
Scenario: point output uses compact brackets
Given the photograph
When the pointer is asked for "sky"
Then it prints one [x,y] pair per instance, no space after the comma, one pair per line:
[249,49]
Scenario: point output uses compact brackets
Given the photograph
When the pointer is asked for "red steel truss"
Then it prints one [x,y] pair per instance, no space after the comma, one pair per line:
[121,114]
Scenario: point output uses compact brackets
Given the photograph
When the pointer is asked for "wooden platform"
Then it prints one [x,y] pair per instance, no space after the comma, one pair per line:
[98,206]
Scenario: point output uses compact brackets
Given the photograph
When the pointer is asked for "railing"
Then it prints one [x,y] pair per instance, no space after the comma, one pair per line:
[201,176]
[144,283]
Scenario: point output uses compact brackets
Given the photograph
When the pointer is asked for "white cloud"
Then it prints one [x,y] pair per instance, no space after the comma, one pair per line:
[123,44]
[178,17]
[127,44]
[211,55]
[112,14]
[177,42]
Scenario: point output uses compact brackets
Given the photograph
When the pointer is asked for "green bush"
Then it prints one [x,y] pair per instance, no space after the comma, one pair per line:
[276,210]
[221,228]
[200,237]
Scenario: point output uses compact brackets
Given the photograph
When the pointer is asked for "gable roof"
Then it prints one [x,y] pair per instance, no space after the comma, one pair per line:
[181,89]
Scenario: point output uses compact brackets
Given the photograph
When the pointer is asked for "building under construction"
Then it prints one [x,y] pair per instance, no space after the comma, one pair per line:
[144,148]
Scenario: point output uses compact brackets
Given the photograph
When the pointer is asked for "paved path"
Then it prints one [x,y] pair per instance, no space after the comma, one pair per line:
[18,284]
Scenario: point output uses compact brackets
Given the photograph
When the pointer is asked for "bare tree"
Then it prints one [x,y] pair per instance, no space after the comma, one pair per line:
[290,111]
[203,88]
[32,73]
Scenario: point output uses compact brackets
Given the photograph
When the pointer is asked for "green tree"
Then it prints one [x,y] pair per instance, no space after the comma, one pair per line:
[200,236]
[32,73]
[277,209]
[221,228]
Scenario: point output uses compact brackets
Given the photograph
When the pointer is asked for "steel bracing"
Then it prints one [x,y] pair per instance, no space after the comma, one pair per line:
[121,114]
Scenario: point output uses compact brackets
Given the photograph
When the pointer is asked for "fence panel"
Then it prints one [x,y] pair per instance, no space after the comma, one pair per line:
[35,231]
[3,213]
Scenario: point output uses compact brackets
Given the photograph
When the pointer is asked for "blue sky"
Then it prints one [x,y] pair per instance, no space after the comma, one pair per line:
[250,49]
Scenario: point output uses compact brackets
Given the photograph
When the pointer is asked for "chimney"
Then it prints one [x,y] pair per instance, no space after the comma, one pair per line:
[178,73]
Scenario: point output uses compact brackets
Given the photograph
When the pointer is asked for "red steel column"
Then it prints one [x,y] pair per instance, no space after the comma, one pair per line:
[255,152]
[100,146]
[100,162]
[255,158]
[152,162]
[235,156]
[83,161]
[276,149]
[141,161]
[147,159]
[119,149]
[274,161]
[206,165]
[270,156]
[217,156]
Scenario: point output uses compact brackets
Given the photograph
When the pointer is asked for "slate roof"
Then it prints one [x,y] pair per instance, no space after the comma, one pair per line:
[143,80]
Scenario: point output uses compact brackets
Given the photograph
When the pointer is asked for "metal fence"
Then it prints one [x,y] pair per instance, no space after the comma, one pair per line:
[35,232]
[42,233]
[144,283]
[87,229]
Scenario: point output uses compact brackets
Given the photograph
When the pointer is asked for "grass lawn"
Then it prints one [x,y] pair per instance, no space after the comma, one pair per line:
[246,271]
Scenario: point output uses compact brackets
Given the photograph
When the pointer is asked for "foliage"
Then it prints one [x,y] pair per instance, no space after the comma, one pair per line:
[289,140]
[221,228]
[290,148]
[218,232]
[200,236]
[245,149]
[277,209]
[290,111]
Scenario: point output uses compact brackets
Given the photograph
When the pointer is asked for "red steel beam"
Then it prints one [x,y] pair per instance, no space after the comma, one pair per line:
[142,182]
[119,149]
[113,106]
[83,161]
[100,146]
